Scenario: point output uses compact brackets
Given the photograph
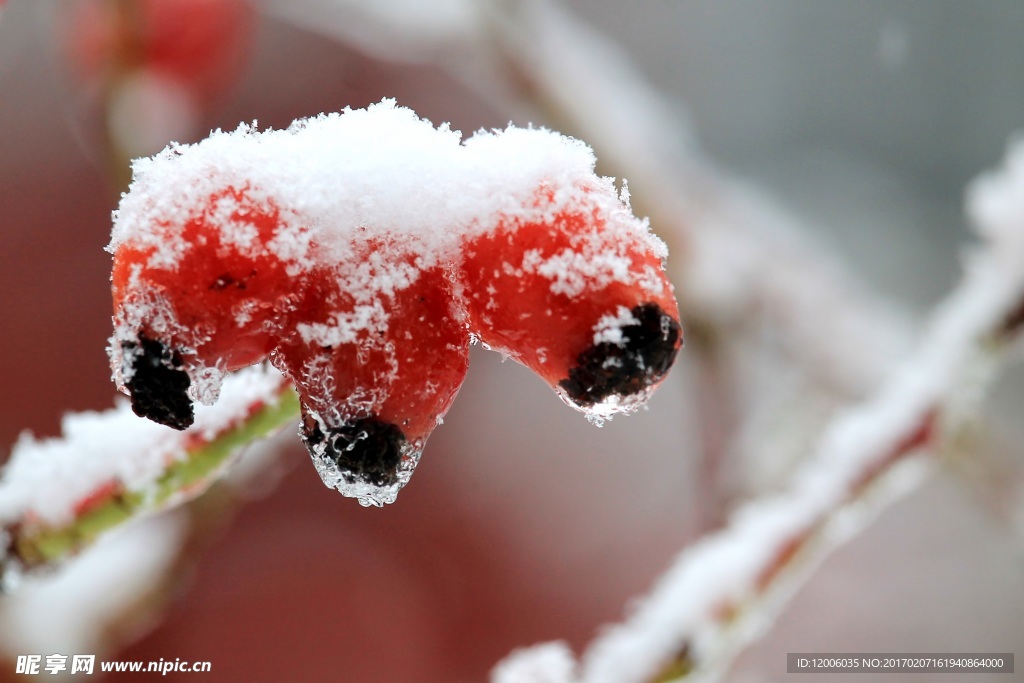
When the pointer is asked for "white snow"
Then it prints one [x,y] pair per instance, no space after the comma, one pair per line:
[374,197]
[70,610]
[44,479]
[609,328]
[379,172]
[995,202]
[544,663]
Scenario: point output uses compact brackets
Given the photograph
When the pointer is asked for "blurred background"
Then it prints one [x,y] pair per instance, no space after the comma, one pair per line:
[524,523]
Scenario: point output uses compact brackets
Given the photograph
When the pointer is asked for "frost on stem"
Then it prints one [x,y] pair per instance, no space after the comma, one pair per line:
[546,663]
[74,607]
[58,495]
[360,252]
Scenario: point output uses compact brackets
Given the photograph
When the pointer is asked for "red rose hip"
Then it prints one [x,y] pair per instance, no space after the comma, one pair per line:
[578,296]
[360,253]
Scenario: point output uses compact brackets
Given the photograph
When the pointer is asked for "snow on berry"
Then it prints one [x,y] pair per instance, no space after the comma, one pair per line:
[360,252]
[578,296]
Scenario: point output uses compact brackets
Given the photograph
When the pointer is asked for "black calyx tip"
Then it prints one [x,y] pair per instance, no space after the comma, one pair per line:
[642,358]
[157,383]
[367,449]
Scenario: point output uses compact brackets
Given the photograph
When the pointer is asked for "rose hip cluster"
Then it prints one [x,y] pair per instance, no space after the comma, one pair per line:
[373,322]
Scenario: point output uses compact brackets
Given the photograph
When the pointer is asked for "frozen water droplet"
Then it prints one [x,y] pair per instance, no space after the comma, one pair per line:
[206,384]
[367,459]
[354,485]
[612,405]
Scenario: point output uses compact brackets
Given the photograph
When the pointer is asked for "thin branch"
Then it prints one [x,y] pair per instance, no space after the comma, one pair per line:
[734,254]
[57,496]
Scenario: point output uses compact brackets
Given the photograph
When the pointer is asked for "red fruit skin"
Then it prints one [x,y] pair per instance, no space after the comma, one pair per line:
[375,334]
[405,371]
[226,305]
[394,371]
[546,323]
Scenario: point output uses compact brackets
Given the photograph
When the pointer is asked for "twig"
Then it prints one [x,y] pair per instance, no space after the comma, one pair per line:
[734,254]
[58,495]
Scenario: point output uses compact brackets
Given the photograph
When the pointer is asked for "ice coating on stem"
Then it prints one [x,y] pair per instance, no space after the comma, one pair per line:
[359,252]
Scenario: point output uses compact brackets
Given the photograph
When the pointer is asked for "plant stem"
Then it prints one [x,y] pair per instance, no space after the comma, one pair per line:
[34,546]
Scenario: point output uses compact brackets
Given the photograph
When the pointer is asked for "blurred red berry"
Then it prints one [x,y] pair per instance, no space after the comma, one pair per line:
[200,44]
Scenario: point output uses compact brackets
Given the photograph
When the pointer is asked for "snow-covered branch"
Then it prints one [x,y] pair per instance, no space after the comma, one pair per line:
[735,258]
[718,592]
[58,495]
[76,607]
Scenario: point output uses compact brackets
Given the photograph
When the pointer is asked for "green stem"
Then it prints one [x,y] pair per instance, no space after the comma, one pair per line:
[38,546]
